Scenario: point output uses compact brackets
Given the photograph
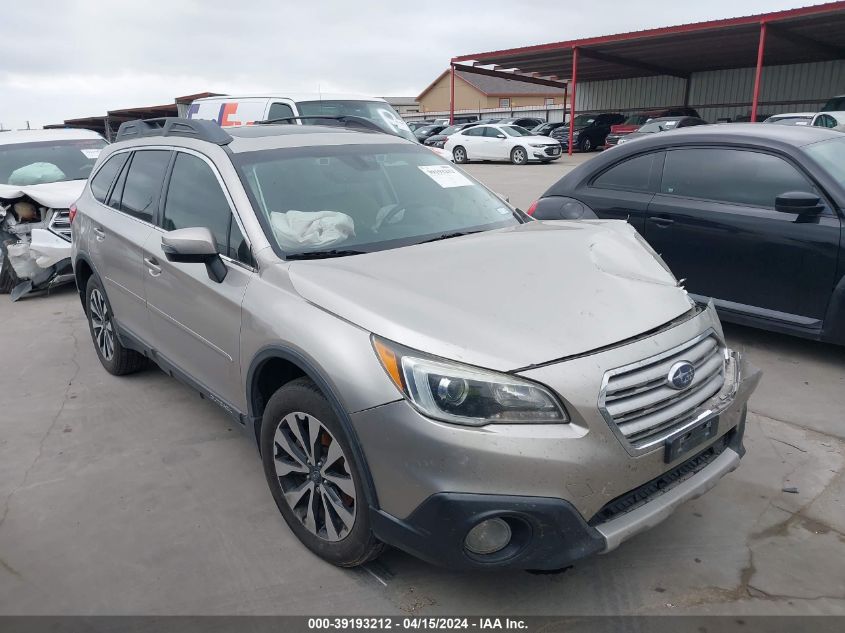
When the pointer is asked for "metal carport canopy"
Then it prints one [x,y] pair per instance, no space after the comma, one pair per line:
[807,34]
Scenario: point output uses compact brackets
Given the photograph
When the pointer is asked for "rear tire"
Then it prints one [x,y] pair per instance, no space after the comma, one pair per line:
[8,278]
[115,359]
[519,156]
[460,155]
[314,476]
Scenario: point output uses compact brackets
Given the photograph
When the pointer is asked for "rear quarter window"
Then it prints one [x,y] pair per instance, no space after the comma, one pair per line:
[632,174]
[102,181]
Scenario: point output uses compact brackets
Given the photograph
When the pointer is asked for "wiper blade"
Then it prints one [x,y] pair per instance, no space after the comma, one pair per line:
[323,254]
[447,236]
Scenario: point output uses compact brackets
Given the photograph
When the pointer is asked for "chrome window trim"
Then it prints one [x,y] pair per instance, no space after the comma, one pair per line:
[727,354]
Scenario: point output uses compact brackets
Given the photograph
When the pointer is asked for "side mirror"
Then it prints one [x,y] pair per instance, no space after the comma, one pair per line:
[500,136]
[801,202]
[194,245]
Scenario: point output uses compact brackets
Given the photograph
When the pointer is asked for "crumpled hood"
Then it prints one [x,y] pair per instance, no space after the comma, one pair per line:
[56,195]
[502,299]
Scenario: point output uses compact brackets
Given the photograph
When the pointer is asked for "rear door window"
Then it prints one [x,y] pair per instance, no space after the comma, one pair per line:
[143,184]
[101,183]
[730,175]
[633,174]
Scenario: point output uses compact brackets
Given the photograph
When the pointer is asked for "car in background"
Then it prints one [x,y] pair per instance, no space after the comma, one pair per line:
[425,132]
[834,104]
[634,121]
[545,129]
[300,280]
[791,118]
[234,110]
[831,120]
[589,130]
[42,173]
[749,215]
[528,122]
[414,125]
[439,140]
[501,142]
[662,124]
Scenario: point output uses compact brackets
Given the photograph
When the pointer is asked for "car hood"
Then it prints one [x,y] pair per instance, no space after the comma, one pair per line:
[504,299]
[56,195]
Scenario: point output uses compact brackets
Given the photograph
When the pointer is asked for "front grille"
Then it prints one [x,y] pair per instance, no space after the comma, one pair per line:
[639,402]
[611,140]
[60,223]
[664,483]
[552,151]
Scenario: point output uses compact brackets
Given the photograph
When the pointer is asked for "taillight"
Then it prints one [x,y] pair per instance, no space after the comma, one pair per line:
[71,212]
[532,208]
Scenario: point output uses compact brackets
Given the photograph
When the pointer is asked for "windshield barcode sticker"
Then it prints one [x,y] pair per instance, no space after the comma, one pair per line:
[90,153]
[445,176]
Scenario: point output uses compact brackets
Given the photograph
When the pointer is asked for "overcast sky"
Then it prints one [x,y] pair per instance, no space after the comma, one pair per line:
[71,58]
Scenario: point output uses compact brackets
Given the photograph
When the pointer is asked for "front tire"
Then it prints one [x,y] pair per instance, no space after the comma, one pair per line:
[519,156]
[314,475]
[460,155]
[585,145]
[115,359]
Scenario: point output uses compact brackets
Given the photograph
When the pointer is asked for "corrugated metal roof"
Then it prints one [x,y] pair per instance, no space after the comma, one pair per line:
[794,36]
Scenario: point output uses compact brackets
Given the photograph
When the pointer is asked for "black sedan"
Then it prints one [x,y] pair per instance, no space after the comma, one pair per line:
[546,129]
[422,133]
[438,140]
[589,131]
[749,215]
[528,122]
[662,124]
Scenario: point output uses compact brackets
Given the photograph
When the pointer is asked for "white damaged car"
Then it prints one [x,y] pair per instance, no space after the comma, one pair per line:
[42,173]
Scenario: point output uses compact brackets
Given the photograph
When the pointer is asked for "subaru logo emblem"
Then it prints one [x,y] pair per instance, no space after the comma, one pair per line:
[681,375]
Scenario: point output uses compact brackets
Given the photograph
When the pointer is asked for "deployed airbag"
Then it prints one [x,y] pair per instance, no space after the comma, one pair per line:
[295,229]
[36,174]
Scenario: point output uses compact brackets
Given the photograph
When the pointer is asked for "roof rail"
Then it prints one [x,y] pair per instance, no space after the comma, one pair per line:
[174,126]
[348,119]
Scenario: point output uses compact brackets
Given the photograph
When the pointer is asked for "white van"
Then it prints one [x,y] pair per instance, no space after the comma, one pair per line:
[246,110]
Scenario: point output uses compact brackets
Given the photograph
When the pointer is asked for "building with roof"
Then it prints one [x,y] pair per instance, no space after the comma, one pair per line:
[404,105]
[478,92]
[732,69]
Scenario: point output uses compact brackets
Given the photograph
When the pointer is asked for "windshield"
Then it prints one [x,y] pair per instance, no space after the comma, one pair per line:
[637,119]
[584,119]
[364,197]
[378,112]
[834,105]
[452,129]
[48,161]
[515,130]
[790,120]
[658,126]
[830,155]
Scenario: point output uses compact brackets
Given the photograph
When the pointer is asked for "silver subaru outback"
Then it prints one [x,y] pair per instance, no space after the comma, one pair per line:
[420,364]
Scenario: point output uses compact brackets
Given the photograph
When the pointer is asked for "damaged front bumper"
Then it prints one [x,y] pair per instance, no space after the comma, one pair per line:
[35,249]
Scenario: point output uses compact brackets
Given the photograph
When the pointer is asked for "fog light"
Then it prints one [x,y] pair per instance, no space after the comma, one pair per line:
[489,536]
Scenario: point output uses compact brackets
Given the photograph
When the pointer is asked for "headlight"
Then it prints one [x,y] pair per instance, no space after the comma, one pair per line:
[540,145]
[462,394]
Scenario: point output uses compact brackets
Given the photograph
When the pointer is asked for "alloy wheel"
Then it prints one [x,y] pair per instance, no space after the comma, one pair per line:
[460,155]
[101,324]
[315,477]
[519,156]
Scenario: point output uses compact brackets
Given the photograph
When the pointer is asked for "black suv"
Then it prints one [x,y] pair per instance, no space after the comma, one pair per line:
[589,132]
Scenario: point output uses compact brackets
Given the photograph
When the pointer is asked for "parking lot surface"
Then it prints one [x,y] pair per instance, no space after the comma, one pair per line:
[134,496]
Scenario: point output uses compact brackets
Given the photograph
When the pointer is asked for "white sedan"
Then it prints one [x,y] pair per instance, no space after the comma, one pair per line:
[501,142]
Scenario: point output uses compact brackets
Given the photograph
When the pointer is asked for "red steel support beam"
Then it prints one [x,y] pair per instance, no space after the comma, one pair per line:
[452,95]
[572,97]
[758,72]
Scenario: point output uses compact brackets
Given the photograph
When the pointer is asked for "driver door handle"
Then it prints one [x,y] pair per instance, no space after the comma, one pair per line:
[152,266]
[99,233]
[661,222]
